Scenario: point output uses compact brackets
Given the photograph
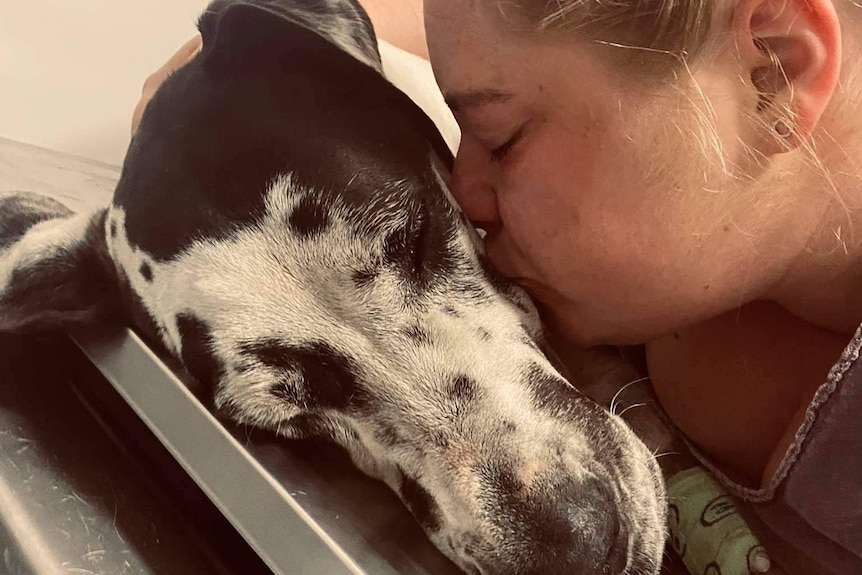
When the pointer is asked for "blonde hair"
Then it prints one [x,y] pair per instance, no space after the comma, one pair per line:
[652,29]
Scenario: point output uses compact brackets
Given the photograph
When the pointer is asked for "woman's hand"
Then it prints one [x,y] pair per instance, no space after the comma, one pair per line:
[188,51]
[399,22]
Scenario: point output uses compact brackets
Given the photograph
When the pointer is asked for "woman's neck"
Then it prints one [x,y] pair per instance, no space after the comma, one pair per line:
[823,286]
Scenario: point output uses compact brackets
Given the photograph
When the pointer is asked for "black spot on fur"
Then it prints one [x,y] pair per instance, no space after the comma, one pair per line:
[420,250]
[451,311]
[556,396]
[418,334]
[470,290]
[388,435]
[484,334]
[310,217]
[464,388]
[499,477]
[197,354]
[330,377]
[510,426]
[113,230]
[402,248]
[420,503]
[147,272]
[364,278]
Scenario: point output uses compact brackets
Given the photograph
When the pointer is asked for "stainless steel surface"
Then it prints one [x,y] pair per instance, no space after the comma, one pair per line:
[70,499]
[303,514]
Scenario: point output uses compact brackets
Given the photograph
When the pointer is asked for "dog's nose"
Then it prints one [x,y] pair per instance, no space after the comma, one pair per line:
[574,529]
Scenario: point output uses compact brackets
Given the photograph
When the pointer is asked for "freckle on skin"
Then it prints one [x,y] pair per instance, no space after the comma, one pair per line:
[727,228]
[706,287]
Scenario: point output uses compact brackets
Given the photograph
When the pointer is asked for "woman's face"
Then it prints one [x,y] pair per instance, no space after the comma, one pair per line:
[611,202]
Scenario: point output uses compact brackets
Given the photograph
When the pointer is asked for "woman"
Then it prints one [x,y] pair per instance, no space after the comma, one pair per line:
[682,176]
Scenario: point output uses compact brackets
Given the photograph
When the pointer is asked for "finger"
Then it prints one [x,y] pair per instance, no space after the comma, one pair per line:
[182,56]
[188,51]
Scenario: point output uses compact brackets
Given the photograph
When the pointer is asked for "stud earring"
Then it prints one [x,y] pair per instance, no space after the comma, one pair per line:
[783,128]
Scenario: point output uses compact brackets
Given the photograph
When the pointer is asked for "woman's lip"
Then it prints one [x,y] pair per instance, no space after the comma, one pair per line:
[504,265]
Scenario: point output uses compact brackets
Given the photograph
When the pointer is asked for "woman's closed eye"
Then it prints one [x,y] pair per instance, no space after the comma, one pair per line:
[501,152]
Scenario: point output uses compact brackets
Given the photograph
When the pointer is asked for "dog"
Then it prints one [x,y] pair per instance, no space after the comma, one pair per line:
[283,227]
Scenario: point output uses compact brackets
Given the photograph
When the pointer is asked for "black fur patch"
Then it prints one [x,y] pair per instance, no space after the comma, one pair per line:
[22,211]
[405,249]
[420,503]
[464,389]
[331,378]
[364,278]
[113,230]
[556,396]
[197,353]
[146,272]
[484,334]
[418,334]
[75,286]
[420,250]
[309,218]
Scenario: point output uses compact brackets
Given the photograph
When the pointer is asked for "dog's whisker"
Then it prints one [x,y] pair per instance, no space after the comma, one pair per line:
[629,408]
[659,456]
[622,390]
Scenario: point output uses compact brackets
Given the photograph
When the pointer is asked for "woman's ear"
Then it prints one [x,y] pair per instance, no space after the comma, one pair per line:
[792,51]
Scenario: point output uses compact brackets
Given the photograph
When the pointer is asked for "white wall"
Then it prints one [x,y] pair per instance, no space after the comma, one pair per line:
[71,70]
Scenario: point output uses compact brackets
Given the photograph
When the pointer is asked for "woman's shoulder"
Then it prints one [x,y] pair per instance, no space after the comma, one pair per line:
[738,384]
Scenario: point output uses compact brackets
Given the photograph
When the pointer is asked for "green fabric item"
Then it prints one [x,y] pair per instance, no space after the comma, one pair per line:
[707,530]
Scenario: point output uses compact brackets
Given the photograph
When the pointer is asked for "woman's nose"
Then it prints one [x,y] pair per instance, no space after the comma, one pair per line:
[473,190]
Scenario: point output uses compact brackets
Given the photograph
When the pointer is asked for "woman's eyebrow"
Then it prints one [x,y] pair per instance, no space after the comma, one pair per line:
[475,98]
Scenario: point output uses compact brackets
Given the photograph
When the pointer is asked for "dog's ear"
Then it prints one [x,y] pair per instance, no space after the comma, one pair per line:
[246,33]
[55,271]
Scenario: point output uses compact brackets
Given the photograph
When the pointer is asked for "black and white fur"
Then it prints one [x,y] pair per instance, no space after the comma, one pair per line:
[283,226]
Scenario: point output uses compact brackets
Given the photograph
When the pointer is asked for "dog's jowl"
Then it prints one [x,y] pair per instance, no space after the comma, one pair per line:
[282,227]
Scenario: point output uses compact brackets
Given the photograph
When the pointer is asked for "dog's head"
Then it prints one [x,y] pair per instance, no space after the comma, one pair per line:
[283,226]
